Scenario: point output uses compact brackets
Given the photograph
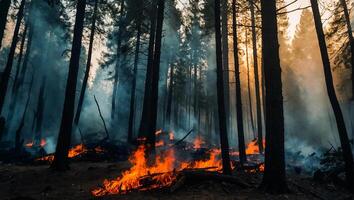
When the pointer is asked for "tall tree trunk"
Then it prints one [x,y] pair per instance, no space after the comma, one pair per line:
[239,113]
[256,78]
[343,135]
[118,62]
[169,98]
[274,179]
[88,66]
[7,71]
[25,60]
[18,141]
[225,58]
[351,40]
[156,72]
[134,80]
[144,124]
[14,94]
[220,93]
[61,154]
[249,88]
[40,113]
[4,10]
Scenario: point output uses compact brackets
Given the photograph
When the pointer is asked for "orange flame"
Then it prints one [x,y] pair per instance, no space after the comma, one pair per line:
[252,147]
[73,152]
[198,142]
[162,174]
[159,143]
[133,178]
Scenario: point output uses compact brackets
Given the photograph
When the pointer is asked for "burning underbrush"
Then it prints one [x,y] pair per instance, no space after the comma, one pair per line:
[170,166]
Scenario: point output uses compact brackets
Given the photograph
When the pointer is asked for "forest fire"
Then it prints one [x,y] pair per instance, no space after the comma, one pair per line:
[73,152]
[162,174]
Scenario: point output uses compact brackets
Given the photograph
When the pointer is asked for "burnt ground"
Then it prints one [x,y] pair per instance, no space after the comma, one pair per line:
[40,182]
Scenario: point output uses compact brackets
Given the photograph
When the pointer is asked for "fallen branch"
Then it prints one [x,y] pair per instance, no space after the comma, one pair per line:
[104,123]
[181,140]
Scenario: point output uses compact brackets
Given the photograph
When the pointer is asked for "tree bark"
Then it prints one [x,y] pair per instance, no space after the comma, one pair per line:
[256,79]
[18,143]
[351,40]
[7,71]
[14,93]
[249,88]
[274,179]
[145,118]
[61,154]
[88,66]
[156,72]
[343,135]
[135,75]
[170,95]
[4,10]
[39,113]
[119,52]
[239,113]
[220,94]
[225,58]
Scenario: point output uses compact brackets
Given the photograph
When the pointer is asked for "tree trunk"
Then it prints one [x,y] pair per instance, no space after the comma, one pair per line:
[249,89]
[119,52]
[343,135]
[18,143]
[7,71]
[61,154]
[351,40]
[25,60]
[225,58]
[14,92]
[135,75]
[169,98]
[156,72]
[4,10]
[88,66]
[256,79]
[144,124]
[39,113]
[220,94]
[239,113]
[274,179]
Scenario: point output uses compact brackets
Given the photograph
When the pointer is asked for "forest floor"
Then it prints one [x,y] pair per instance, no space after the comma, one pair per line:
[40,182]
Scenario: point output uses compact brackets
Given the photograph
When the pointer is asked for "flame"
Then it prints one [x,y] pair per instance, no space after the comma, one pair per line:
[73,152]
[198,142]
[30,144]
[134,177]
[171,135]
[163,173]
[213,163]
[159,143]
[77,150]
[252,147]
